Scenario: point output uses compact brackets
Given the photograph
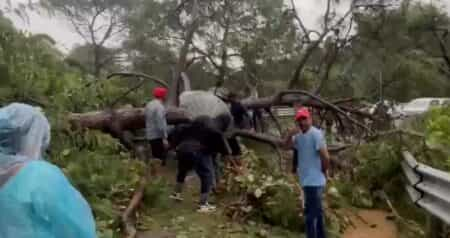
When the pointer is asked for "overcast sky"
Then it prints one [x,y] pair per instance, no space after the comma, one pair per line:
[309,10]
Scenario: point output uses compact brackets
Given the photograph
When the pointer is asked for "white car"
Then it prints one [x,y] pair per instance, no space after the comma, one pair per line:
[421,105]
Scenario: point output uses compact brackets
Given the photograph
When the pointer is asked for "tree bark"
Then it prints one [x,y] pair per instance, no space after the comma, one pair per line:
[115,122]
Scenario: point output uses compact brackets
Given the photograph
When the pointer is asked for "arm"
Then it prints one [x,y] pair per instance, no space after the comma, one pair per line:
[161,121]
[219,143]
[176,136]
[323,152]
[288,141]
[325,159]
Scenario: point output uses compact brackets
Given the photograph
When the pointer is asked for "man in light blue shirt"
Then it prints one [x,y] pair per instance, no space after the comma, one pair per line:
[313,160]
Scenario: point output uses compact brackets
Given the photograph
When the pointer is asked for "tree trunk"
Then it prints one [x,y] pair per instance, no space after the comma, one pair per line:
[114,122]
[97,64]
[127,119]
[182,60]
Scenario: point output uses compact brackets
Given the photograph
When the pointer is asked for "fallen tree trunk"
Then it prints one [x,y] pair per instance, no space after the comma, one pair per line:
[126,118]
[119,123]
[134,118]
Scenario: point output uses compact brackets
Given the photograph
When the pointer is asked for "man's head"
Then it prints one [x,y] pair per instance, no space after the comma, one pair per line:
[160,93]
[303,119]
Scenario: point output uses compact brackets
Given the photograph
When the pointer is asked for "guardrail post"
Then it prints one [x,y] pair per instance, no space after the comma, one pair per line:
[435,227]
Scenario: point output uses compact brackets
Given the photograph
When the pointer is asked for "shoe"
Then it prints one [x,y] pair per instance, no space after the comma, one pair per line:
[176,197]
[206,208]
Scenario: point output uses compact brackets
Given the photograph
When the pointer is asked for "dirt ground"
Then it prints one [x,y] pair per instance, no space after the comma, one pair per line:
[371,224]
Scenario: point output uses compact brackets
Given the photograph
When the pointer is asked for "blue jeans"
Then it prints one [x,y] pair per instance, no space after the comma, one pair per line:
[314,218]
[203,166]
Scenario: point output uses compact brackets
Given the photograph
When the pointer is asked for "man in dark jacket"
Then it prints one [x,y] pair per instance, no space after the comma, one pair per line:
[195,144]
[241,120]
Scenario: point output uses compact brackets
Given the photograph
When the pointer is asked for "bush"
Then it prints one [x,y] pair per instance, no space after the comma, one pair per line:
[268,195]
[378,163]
[101,170]
[438,133]
[280,207]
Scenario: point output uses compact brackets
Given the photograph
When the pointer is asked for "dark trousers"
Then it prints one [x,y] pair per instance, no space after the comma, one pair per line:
[295,161]
[158,150]
[203,166]
[314,218]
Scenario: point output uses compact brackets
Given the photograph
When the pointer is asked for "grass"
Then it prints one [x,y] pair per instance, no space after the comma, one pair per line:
[182,221]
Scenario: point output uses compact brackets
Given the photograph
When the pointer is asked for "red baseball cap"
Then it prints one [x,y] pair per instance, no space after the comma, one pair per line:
[302,113]
[160,92]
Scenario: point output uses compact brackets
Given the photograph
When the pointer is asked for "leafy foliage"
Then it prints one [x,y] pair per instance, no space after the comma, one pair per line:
[267,195]
[378,163]
[260,51]
[438,129]
[99,167]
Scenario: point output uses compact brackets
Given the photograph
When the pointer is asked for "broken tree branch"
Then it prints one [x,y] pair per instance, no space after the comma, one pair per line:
[140,75]
[135,201]
[299,21]
[443,48]
[313,46]
[305,98]
[275,120]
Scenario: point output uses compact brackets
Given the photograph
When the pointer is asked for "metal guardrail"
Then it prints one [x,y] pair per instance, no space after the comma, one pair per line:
[429,188]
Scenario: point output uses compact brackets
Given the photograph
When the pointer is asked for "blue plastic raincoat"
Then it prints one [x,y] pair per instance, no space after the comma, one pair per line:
[36,199]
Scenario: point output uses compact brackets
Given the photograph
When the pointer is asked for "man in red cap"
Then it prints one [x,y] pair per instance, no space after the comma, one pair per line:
[313,160]
[156,124]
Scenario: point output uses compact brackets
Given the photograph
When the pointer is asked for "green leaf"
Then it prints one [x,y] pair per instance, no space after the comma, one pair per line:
[66,152]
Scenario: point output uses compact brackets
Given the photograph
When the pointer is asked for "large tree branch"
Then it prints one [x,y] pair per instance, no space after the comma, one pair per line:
[443,48]
[126,119]
[299,21]
[289,97]
[108,32]
[224,55]
[276,141]
[326,18]
[330,61]
[129,119]
[76,25]
[92,24]
[140,75]
[207,56]
[304,60]
[181,65]
[313,46]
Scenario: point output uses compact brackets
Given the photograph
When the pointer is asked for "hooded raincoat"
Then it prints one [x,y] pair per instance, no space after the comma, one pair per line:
[36,199]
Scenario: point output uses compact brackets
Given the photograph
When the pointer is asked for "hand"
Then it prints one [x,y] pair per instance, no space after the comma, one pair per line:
[294,131]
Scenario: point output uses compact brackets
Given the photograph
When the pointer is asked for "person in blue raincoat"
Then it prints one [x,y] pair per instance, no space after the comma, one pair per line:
[36,199]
